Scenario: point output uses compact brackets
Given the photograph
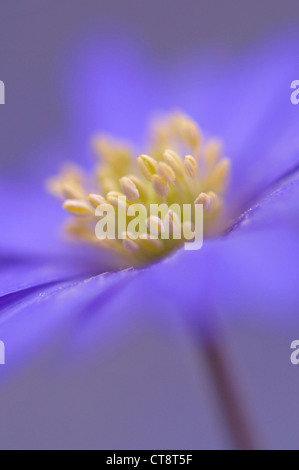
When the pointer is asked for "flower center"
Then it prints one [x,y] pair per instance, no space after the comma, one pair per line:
[181,167]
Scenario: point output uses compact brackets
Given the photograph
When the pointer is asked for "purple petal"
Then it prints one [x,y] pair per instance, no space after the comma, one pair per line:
[277,208]
[143,387]
[244,100]
[33,246]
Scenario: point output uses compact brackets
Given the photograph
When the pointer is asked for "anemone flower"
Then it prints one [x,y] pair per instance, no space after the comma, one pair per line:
[141,347]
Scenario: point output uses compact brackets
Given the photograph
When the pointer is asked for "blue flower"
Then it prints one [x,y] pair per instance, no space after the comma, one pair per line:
[97,358]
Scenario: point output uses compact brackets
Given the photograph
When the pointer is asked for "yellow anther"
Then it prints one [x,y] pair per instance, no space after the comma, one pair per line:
[78,230]
[107,179]
[101,146]
[192,134]
[140,185]
[214,200]
[172,222]
[77,207]
[96,199]
[72,172]
[209,200]
[187,130]
[115,153]
[129,189]
[117,199]
[72,191]
[174,162]
[203,199]
[154,225]
[190,166]
[65,188]
[147,166]
[212,152]
[160,186]
[218,179]
[166,172]
[54,187]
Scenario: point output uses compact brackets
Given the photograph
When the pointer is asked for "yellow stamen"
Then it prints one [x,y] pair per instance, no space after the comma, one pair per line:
[209,200]
[166,172]
[172,222]
[174,162]
[129,189]
[212,152]
[96,199]
[116,153]
[147,166]
[160,186]
[190,166]
[117,199]
[218,180]
[188,131]
[77,207]
[155,225]
[140,185]
[203,199]
[163,178]
[214,200]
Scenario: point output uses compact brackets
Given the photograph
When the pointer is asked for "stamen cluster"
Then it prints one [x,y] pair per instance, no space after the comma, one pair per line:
[179,168]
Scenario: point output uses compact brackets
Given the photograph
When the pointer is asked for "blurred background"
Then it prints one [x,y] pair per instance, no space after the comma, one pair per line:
[36,36]
[39,42]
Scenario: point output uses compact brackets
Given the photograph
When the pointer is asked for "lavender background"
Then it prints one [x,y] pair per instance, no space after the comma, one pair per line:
[36,36]
[154,355]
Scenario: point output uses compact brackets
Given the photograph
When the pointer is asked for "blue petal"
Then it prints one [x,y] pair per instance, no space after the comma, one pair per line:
[115,88]
[143,388]
[33,248]
[246,282]
[237,291]
[244,100]
[241,293]
[109,87]
[277,208]
[29,316]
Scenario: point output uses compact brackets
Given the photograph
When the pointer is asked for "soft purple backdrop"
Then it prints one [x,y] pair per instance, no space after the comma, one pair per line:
[152,387]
